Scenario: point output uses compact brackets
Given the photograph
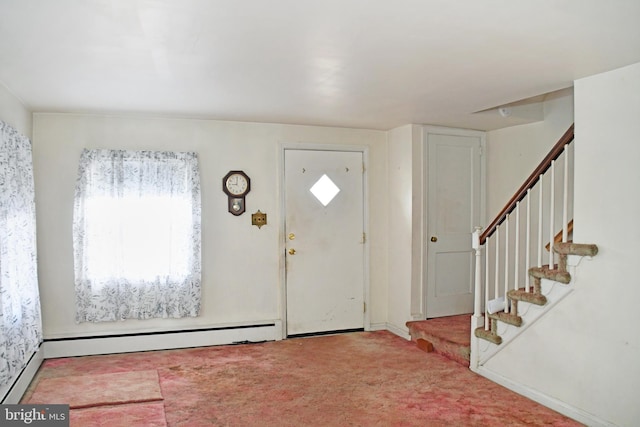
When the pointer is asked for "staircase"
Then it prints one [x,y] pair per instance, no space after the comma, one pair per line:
[557,274]
[513,286]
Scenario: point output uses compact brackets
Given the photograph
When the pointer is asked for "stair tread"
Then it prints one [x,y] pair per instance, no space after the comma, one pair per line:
[530,297]
[488,335]
[454,329]
[554,274]
[508,318]
[580,249]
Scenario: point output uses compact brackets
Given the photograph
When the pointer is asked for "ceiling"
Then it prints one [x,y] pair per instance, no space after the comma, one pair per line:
[374,64]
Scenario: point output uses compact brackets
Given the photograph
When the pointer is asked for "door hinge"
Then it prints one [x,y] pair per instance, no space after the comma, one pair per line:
[364,307]
[363,168]
[364,237]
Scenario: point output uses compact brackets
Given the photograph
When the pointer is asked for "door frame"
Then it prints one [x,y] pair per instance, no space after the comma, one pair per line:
[426,130]
[282,148]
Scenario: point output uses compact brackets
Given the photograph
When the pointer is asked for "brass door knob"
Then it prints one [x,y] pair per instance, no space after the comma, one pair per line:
[292,251]
[434,239]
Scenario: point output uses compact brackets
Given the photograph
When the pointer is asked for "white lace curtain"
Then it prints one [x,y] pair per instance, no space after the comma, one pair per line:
[136,235]
[20,317]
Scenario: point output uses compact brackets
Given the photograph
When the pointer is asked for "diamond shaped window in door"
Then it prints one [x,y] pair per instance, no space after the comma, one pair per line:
[325,190]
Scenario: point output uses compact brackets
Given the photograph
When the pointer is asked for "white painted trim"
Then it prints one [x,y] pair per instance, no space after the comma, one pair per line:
[385,326]
[282,147]
[418,222]
[282,282]
[401,332]
[159,341]
[365,218]
[12,393]
[278,330]
[543,399]
[382,326]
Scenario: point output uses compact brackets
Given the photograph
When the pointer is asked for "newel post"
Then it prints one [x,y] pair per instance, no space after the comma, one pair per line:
[477,320]
[475,243]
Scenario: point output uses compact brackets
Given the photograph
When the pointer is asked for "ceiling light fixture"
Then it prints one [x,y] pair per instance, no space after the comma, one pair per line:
[504,111]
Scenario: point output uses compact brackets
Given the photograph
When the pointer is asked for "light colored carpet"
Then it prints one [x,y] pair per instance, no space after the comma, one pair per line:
[128,415]
[97,389]
[356,379]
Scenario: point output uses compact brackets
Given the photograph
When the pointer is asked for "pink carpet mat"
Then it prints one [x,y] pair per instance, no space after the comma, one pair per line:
[84,391]
[132,415]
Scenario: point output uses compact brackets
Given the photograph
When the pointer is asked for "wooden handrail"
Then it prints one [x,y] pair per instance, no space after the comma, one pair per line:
[555,152]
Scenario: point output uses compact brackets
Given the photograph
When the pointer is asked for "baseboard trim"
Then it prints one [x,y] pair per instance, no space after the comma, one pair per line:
[543,399]
[402,333]
[377,327]
[165,340]
[12,392]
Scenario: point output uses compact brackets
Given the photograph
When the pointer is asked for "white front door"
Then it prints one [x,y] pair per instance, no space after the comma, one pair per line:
[453,201]
[324,240]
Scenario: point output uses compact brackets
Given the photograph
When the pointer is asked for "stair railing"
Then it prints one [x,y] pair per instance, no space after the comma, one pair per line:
[545,202]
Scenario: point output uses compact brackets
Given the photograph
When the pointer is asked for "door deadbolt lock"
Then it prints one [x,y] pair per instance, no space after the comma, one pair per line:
[292,251]
[292,236]
[434,239]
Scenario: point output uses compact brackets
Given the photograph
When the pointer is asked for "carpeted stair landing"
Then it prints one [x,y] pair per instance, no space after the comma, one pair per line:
[449,336]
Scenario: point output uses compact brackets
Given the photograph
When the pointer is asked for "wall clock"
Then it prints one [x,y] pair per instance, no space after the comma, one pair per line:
[236,185]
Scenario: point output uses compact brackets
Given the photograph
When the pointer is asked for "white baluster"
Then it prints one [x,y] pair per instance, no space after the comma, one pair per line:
[565,196]
[497,270]
[506,263]
[478,280]
[552,212]
[528,242]
[540,244]
[516,252]
[486,285]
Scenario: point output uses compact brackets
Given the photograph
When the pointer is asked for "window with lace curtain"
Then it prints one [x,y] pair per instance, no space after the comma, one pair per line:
[136,235]
[20,317]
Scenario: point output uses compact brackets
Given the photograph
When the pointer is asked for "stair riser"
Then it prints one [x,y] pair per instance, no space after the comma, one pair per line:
[530,297]
[508,318]
[555,274]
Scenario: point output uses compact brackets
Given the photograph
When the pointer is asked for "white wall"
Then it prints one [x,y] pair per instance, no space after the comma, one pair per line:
[400,227]
[13,112]
[512,155]
[585,351]
[241,270]
[514,152]
[607,208]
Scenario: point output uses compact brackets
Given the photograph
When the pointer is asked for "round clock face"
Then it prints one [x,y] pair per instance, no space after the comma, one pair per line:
[236,184]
